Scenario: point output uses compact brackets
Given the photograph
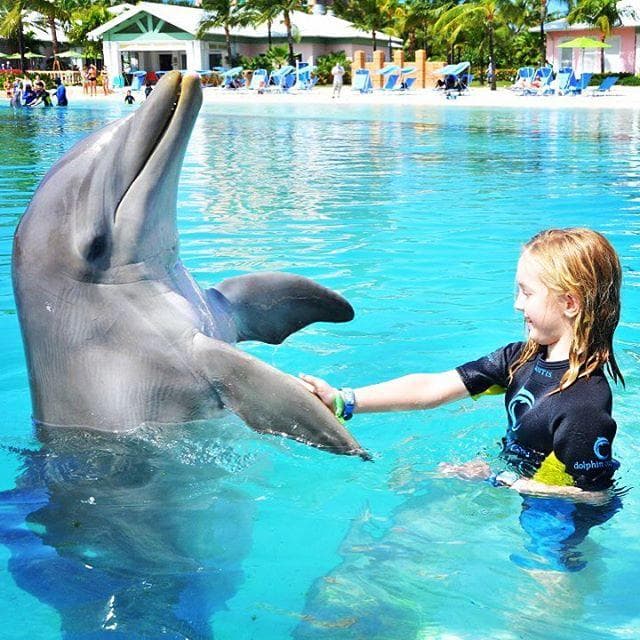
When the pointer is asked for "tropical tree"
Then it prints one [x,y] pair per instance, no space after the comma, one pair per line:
[287,7]
[602,14]
[266,11]
[12,25]
[86,17]
[466,17]
[226,14]
[373,16]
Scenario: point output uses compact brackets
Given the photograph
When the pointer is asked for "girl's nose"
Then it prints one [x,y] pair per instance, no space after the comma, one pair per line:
[518,306]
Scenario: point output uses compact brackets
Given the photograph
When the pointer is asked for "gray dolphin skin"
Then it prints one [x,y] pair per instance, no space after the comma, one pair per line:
[117,334]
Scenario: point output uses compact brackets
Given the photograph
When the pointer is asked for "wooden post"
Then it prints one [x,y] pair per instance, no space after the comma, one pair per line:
[359,60]
[376,65]
[421,71]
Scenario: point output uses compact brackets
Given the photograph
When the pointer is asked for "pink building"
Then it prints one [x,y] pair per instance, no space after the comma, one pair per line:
[622,56]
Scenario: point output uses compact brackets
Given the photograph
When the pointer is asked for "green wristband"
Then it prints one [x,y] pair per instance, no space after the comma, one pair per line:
[338,409]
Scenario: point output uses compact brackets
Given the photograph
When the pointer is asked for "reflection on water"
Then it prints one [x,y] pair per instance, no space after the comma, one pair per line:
[386,562]
[417,217]
[140,537]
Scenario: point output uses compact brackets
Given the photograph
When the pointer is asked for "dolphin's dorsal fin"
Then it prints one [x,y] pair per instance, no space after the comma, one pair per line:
[270,306]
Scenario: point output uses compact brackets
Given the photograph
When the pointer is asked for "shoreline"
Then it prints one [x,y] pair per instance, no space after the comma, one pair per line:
[624,98]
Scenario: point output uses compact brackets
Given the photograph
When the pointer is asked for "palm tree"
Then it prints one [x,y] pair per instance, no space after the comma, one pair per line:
[369,15]
[12,16]
[602,14]
[226,14]
[265,11]
[287,7]
[466,17]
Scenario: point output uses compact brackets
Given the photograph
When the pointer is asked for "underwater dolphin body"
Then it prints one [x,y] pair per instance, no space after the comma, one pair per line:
[116,332]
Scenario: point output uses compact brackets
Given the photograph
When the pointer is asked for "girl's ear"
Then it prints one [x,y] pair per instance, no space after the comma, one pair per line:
[571,304]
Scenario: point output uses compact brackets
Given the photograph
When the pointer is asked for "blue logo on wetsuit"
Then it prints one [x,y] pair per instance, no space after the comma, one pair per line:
[523,397]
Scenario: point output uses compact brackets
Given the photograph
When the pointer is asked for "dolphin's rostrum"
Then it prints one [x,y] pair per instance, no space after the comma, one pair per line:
[116,332]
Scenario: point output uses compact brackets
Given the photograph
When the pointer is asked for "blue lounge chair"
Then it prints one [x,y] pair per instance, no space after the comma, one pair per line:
[525,73]
[259,80]
[390,74]
[578,85]
[362,81]
[456,78]
[564,80]
[304,81]
[605,86]
[281,80]
[406,80]
[230,78]
[523,79]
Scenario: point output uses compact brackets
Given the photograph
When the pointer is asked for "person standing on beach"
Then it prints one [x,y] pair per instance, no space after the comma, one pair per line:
[338,73]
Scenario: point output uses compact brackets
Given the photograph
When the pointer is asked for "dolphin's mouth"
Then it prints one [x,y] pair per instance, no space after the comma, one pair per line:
[159,133]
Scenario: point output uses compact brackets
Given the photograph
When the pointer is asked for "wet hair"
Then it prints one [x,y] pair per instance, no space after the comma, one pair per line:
[580,262]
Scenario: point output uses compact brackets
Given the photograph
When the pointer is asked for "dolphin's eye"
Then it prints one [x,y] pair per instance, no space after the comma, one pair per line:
[97,248]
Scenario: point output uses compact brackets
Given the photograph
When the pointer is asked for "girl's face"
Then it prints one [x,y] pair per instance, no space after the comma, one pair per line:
[548,315]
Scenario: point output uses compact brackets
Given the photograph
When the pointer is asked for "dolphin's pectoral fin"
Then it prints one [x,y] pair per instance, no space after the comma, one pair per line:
[270,401]
[271,306]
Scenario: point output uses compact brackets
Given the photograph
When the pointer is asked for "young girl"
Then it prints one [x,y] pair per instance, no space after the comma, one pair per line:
[558,400]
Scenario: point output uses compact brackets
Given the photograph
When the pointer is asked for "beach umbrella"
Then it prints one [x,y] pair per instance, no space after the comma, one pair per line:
[13,56]
[71,54]
[584,43]
[30,55]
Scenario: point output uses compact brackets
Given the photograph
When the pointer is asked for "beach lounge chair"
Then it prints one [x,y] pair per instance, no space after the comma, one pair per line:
[362,81]
[304,80]
[605,86]
[259,80]
[390,75]
[523,79]
[231,78]
[578,85]
[406,81]
[456,78]
[281,80]
[541,85]
[564,80]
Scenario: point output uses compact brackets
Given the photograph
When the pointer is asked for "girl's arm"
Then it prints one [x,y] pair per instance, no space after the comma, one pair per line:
[415,391]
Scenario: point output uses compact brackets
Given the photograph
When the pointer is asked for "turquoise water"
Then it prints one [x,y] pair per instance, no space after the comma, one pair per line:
[416,215]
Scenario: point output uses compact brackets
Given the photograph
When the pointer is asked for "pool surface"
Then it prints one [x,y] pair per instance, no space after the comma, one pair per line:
[416,215]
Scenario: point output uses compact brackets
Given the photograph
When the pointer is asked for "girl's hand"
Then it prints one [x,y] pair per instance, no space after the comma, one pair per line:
[472,470]
[322,389]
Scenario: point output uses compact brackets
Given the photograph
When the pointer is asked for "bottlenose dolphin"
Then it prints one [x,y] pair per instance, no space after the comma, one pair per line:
[116,332]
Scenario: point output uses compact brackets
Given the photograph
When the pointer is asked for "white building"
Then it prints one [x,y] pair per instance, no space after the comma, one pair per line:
[161,37]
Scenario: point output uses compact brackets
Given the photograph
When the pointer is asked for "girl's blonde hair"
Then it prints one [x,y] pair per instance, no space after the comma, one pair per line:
[580,262]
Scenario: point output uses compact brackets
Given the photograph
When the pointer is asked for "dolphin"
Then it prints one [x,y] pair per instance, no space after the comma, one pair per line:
[117,334]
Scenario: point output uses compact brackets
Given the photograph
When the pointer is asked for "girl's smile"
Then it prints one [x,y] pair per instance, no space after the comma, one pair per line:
[548,315]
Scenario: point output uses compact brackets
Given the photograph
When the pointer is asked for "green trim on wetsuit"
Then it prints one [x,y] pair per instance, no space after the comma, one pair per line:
[553,472]
[493,390]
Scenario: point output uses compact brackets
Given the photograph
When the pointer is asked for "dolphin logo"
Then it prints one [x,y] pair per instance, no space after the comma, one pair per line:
[523,397]
[602,448]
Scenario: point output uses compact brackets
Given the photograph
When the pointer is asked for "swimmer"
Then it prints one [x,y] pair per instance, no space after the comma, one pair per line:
[560,428]
[129,99]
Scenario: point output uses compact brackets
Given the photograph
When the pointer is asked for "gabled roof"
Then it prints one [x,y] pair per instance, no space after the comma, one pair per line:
[629,11]
[187,19]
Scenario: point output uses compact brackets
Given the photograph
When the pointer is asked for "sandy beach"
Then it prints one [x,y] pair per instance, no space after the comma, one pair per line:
[622,98]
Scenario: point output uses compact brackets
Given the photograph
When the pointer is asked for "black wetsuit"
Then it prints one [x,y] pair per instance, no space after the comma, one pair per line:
[563,438]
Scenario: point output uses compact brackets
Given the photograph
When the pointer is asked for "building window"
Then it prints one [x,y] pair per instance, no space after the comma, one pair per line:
[215,60]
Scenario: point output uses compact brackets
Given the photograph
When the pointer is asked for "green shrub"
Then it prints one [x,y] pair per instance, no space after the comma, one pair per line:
[325,63]
[626,79]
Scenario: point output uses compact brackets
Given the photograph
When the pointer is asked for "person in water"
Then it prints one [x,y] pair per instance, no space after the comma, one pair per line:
[558,401]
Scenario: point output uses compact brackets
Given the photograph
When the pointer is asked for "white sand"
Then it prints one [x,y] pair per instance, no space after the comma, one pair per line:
[623,98]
